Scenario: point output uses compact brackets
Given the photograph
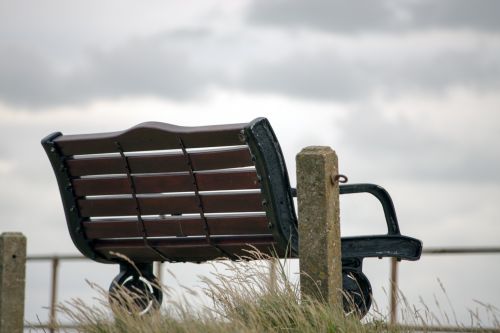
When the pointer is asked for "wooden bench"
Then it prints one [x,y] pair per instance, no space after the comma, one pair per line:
[159,192]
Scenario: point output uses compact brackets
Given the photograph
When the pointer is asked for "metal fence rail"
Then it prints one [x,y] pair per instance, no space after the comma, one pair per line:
[56,259]
[461,250]
[431,251]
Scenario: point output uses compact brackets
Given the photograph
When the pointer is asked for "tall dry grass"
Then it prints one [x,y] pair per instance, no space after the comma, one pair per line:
[243,299]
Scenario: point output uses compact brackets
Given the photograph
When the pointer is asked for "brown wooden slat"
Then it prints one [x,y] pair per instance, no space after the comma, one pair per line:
[185,242]
[179,182]
[148,206]
[154,205]
[151,136]
[186,249]
[221,159]
[157,163]
[234,202]
[138,164]
[178,226]
[227,180]
[143,184]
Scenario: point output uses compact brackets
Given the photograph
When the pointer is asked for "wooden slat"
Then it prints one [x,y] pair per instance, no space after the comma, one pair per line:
[138,164]
[157,163]
[224,203]
[227,180]
[148,206]
[178,226]
[186,249]
[161,183]
[155,205]
[143,184]
[221,159]
[151,136]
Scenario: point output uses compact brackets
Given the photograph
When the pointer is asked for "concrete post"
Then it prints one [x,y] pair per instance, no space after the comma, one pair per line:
[319,225]
[12,281]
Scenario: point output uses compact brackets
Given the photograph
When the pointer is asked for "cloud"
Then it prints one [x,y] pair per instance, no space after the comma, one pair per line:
[340,16]
[26,76]
[444,143]
[184,64]
[377,16]
[140,67]
[327,75]
[455,14]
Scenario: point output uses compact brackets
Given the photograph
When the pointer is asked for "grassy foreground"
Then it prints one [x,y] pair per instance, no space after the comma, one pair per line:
[244,299]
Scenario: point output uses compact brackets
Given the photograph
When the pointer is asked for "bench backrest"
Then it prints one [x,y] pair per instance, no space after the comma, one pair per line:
[164,192]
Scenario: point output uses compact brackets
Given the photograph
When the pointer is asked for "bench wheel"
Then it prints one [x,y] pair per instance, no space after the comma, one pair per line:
[143,288]
[357,292]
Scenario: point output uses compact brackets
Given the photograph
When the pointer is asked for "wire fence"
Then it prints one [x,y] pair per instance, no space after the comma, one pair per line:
[55,261]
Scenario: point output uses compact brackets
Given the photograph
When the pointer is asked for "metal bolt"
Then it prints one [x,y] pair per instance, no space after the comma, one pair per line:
[242,136]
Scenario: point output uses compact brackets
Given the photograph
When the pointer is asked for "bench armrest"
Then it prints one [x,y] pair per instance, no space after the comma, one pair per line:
[401,247]
[381,194]
[383,197]
[391,245]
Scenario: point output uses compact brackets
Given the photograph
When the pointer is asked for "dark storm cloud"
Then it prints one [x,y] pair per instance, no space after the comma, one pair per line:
[319,77]
[140,67]
[342,16]
[329,76]
[479,14]
[26,77]
[183,64]
[399,148]
[372,16]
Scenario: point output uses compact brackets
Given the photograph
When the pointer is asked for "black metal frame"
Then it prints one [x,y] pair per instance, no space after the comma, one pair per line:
[278,193]
[357,287]
[280,211]
[393,244]
[69,200]
[278,201]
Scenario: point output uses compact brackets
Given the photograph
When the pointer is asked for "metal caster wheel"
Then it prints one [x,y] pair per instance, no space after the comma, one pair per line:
[357,292]
[146,295]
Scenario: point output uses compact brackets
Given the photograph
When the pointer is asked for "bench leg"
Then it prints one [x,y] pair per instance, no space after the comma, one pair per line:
[140,284]
[356,288]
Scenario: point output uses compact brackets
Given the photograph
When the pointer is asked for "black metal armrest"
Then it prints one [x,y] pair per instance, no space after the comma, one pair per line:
[385,199]
[393,244]
[400,247]
[381,194]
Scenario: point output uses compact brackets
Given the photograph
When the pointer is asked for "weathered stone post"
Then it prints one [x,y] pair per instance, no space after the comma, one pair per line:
[12,281]
[319,224]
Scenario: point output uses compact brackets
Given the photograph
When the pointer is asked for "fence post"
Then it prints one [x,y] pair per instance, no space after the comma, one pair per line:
[394,292]
[12,281]
[53,295]
[319,224]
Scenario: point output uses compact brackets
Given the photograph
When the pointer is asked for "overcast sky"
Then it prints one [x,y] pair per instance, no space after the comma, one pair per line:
[407,92]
